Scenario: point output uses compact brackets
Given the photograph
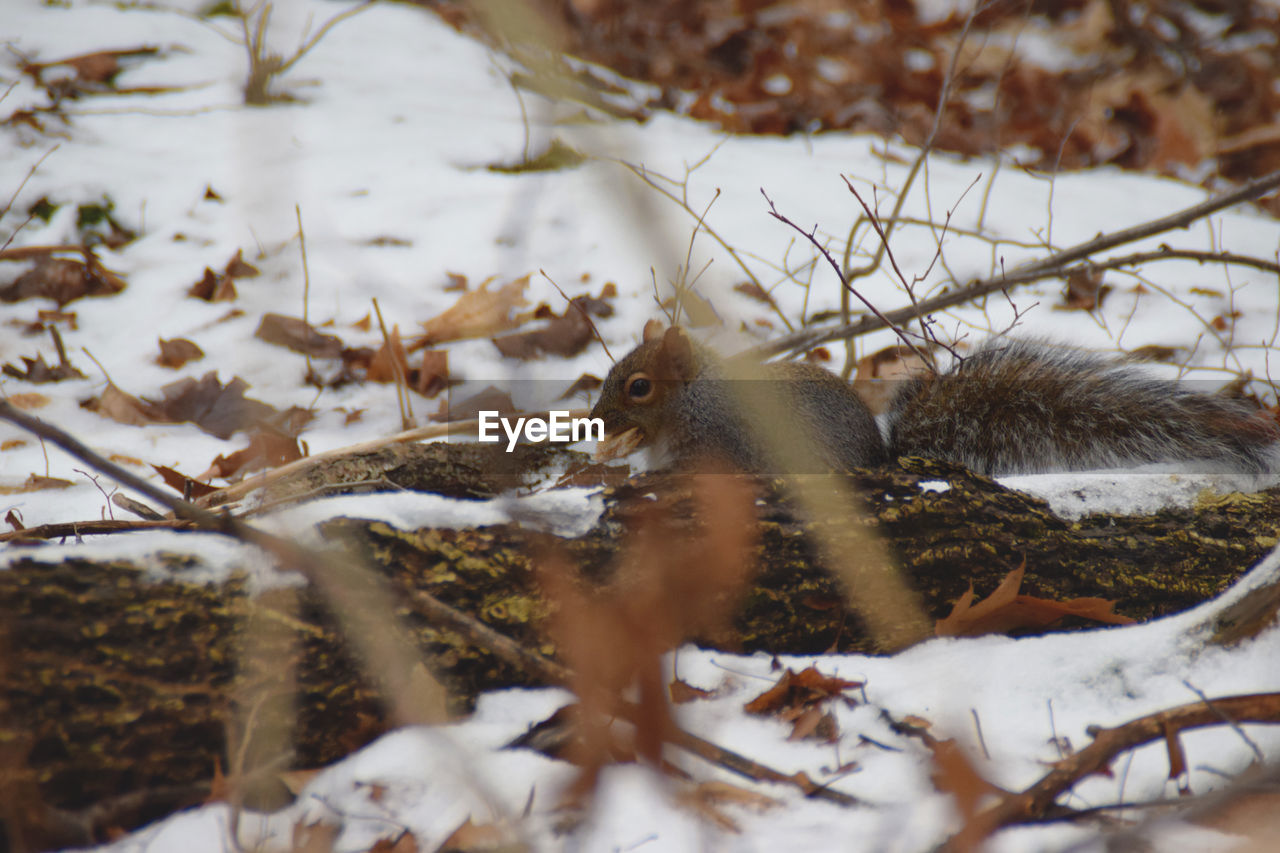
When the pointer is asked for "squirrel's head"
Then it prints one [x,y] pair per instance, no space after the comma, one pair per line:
[636,395]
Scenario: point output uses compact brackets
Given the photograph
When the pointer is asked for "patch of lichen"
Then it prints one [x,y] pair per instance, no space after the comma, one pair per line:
[113,682]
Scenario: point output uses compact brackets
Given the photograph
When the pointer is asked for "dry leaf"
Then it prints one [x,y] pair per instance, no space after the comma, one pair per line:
[582,386]
[433,376]
[1084,291]
[796,689]
[63,280]
[238,268]
[267,449]
[28,400]
[479,313]
[40,483]
[124,408]
[182,484]
[682,691]
[1006,610]
[491,399]
[217,409]
[564,335]
[177,352]
[213,287]
[38,372]
[296,334]
[390,362]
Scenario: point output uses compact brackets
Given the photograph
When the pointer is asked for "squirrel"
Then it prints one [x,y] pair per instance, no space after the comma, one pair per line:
[677,399]
[1011,407]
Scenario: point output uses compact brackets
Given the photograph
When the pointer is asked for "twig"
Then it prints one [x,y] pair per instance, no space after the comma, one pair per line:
[239,490]
[643,174]
[91,528]
[1033,271]
[306,282]
[812,238]
[4,211]
[1034,802]
[397,370]
[586,315]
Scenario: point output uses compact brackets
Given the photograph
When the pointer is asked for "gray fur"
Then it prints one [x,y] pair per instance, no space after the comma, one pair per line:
[1022,407]
[812,405]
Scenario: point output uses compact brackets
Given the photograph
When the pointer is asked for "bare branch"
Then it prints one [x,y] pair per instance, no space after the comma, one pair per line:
[1053,265]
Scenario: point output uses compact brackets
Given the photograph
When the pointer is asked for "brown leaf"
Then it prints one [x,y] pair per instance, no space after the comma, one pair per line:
[238,268]
[99,67]
[432,376]
[490,399]
[814,723]
[478,313]
[1084,291]
[124,408]
[40,483]
[28,400]
[63,280]
[564,335]
[182,484]
[798,689]
[177,352]
[297,335]
[682,691]
[213,287]
[390,361]
[581,386]
[1006,610]
[217,409]
[37,371]
[756,292]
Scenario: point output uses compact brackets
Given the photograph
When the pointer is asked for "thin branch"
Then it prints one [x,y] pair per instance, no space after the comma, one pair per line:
[4,211]
[812,238]
[1035,802]
[643,174]
[586,315]
[306,47]
[1033,271]
[77,529]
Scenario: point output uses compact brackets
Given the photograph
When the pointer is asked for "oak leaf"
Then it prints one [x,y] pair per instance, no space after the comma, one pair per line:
[478,313]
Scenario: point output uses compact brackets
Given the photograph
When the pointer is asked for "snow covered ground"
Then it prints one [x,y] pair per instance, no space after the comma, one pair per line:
[384,154]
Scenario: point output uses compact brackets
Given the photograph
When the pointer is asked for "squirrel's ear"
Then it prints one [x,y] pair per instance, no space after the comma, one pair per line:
[652,330]
[677,354]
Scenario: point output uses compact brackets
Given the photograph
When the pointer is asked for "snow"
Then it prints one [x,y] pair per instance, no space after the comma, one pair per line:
[397,119]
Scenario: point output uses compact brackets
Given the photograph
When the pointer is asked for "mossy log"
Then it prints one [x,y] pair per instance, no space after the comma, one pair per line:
[115,684]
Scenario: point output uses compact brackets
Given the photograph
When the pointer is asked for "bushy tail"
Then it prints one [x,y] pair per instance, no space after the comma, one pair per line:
[1018,407]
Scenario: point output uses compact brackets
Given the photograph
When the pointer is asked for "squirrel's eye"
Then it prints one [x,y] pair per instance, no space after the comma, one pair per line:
[639,388]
